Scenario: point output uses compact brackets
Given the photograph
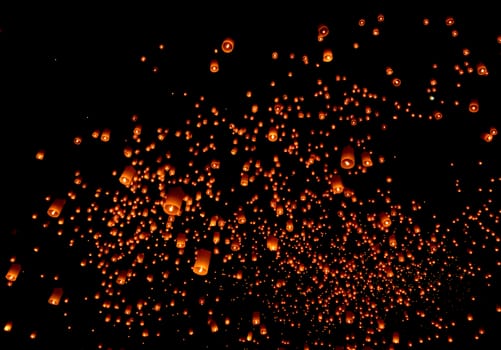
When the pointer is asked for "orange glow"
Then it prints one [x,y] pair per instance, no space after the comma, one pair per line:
[56,207]
[228,45]
[13,272]
[55,296]
[272,243]
[348,157]
[173,201]
[327,55]
[214,66]
[202,261]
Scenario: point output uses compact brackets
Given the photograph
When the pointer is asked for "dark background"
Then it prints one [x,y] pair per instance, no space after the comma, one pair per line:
[65,70]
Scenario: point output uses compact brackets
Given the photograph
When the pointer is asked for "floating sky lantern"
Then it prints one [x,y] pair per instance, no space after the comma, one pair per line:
[201,266]
[56,207]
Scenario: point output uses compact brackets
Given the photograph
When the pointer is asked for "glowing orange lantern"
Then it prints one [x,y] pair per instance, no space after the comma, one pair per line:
[393,241]
[216,237]
[337,184]
[482,69]
[235,245]
[366,159]
[13,272]
[473,107]
[201,266]
[380,324]
[241,218]
[181,241]
[40,155]
[244,180]
[349,317]
[327,55]
[256,320]
[272,243]
[56,207]
[8,326]
[384,219]
[173,201]
[396,338]
[228,45]
[122,277]
[55,296]
[487,137]
[348,157]
[322,32]
[105,135]
[127,175]
[213,326]
[214,66]
[272,134]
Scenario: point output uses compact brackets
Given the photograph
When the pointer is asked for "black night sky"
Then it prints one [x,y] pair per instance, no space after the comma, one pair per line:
[256,149]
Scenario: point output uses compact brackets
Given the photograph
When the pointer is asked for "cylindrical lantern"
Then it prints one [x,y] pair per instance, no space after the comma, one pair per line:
[55,296]
[487,137]
[244,180]
[235,245]
[13,272]
[216,237]
[228,45]
[122,277]
[8,326]
[40,154]
[396,338]
[272,243]
[202,261]
[349,317]
[289,225]
[272,134]
[482,69]
[327,56]
[127,175]
[214,66]
[393,241]
[337,184]
[256,319]
[366,159]
[173,201]
[105,135]
[473,107]
[384,219]
[181,241]
[213,326]
[322,31]
[348,157]
[56,207]
[241,219]
[380,323]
